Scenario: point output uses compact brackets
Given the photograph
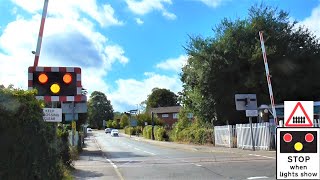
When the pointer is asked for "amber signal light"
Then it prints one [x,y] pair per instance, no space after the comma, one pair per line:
[43,78]
[67,78]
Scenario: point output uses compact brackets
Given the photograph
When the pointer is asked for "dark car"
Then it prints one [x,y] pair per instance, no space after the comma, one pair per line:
[108,130]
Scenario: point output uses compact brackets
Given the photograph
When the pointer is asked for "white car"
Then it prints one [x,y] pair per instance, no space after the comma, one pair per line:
[89,130]
[114,132]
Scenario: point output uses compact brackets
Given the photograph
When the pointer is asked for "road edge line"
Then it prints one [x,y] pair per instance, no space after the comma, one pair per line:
[115,167]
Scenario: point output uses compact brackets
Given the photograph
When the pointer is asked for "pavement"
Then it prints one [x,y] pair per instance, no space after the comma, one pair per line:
[92,163]
[201,148]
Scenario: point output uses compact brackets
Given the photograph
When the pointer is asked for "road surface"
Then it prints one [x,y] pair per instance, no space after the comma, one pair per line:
[126,158]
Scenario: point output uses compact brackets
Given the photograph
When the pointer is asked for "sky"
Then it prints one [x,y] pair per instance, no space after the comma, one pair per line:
[125,48]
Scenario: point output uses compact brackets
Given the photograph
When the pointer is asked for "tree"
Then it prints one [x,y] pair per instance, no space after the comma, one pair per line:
[161,98]
[109,124]
[124,121]
[231,62]
[99,109]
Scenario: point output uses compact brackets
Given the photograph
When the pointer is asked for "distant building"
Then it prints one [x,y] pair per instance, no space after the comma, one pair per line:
[169,115]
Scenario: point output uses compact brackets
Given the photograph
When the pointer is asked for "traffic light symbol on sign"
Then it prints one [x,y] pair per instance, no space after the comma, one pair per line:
[298,142]
[55,83]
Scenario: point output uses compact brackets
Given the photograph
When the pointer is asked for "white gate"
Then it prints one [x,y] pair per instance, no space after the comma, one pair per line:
[224,136]
[261,136]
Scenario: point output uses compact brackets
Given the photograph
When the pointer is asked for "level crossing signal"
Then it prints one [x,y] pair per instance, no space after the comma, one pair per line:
[56,83]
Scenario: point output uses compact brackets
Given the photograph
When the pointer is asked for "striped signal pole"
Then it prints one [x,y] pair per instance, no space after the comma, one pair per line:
[43,19]
[264,54]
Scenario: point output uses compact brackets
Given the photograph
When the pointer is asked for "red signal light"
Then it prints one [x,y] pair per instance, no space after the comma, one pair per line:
[43,78]
[67,78]
[309,137]
[287,137]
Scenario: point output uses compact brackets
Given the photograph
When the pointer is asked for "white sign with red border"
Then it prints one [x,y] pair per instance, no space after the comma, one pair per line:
[298,113]
[298,155]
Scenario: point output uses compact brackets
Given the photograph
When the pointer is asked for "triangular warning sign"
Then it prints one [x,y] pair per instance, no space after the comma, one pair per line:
[300,114]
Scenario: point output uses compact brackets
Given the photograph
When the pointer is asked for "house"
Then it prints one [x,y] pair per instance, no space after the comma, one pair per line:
[169,115]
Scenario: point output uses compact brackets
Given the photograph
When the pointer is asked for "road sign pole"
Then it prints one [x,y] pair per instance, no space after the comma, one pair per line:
[72,123]
[251,130]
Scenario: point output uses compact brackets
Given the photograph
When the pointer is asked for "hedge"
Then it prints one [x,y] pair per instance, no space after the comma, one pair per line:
[29,146]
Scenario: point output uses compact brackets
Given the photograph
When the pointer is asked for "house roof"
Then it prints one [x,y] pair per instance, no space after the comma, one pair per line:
[170,109]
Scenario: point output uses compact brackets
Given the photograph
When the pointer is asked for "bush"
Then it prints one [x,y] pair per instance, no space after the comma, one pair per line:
[109,124]
[185,131]
[160,134]
[147,132]
[29,146]
[63,135]
[124,121]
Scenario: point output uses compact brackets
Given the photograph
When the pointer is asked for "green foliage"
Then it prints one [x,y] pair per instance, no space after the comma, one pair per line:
[146,117]
[182,123]
[109,124]
[99,109]
[132,130]
[161,98]
[65,155]
[115,124]
[147,132]
[124,121]
[196,132]
[231,62]
[160,133]
[29,146]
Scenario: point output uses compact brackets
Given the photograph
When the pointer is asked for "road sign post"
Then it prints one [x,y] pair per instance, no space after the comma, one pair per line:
[248,102]
[250,114]
[298,154]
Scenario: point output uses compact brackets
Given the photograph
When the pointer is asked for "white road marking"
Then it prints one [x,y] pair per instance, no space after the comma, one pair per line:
[196,164]
[268,157]
[149,152]
[137,149]
[262,156]
[258,177]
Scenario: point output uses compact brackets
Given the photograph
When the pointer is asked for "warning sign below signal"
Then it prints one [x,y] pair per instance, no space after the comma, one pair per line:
[298,154]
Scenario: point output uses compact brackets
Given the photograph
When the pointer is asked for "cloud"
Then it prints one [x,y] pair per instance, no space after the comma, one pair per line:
[66,41]
[146,6]
[169,15]
[103,14]
[116,53]
[173,64]
[139,21]
[212,3]
[312,22]
[131,92]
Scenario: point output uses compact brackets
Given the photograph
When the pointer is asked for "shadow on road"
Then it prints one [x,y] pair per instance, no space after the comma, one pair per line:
[122,154]
[85,174]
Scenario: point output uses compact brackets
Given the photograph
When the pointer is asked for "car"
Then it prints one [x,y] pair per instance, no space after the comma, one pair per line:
[108,130]
[89,129]
[114,132]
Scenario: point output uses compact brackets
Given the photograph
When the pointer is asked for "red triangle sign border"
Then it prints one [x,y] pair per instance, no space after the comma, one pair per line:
[304,112]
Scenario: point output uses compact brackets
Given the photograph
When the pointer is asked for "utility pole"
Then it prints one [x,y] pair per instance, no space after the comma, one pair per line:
[152,129]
